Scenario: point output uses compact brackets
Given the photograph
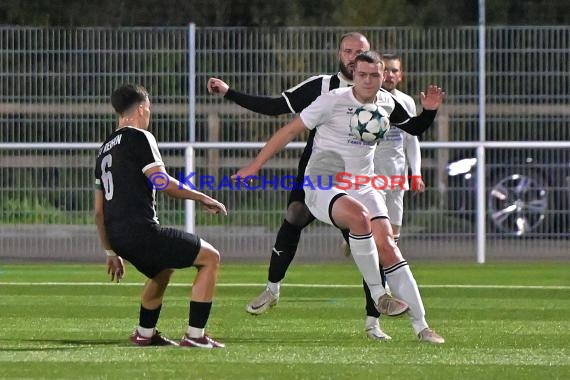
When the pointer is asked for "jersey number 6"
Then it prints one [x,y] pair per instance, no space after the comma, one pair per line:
[107,177]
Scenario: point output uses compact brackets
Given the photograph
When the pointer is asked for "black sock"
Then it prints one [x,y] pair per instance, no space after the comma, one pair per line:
[284,250]
[149,318]
[199,314]
[345,235]
[371,310]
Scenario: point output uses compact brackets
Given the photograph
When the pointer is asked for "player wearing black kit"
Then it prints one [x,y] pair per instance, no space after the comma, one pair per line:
[129,169]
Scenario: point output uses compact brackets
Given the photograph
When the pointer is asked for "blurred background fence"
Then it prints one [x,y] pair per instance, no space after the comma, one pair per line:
[54,111]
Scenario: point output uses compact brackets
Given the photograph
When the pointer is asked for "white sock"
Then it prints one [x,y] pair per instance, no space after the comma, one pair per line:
[147,333]
[403,286]
[365,256]
[370,322]
[194,332]
[274,287]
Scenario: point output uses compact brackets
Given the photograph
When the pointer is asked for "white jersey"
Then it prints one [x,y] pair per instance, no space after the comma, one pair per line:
[398,148]
[335,149]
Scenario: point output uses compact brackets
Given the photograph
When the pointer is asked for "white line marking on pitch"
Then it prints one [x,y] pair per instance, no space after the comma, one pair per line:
[248,285]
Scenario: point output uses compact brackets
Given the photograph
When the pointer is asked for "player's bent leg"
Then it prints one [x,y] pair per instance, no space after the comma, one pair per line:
[402,282]
[284,249]
[287,240]
[208,262]
[388,251]
[297,218]
[347,212]
[146,333]
[154,289]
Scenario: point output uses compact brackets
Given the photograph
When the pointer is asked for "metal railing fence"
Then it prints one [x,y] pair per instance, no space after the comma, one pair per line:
[44,220]
[55,84]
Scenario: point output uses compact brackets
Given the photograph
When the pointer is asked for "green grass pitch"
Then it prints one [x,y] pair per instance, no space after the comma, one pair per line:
[501,321]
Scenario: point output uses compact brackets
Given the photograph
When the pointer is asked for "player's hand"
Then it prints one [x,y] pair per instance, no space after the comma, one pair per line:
[432,98]
[418,186]
[212,206]
[116,268]
[217,86]
[245,175]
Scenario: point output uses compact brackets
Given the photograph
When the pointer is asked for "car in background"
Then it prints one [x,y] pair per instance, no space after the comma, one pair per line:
[527,191]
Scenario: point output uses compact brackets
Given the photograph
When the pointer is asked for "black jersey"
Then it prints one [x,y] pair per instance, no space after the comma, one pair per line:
[293,100]
[129,200]
[299,97]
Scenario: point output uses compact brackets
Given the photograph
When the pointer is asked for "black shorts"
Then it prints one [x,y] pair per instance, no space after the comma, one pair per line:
[157,248]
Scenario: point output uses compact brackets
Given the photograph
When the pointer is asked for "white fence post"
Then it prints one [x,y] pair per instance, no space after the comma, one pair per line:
[189,215]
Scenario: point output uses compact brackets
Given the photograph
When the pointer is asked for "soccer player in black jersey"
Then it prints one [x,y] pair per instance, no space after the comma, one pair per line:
[128,171]
[294,100]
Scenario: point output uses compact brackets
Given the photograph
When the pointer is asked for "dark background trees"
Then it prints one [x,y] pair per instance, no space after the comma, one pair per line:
[280,12]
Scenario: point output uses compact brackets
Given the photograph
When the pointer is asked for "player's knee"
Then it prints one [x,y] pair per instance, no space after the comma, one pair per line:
[388,251]
[208,256]
[298,214]
[214,257]
[163,277]
[359,220]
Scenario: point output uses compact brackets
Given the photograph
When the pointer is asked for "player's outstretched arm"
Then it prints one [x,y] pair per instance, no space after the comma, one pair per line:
[161,180]
[278,141]
[431,100]
[265,105]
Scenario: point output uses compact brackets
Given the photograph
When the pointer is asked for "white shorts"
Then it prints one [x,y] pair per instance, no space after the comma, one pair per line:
[319,201]
[395,205]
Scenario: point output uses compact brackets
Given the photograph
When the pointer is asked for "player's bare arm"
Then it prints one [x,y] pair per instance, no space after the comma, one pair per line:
[171,186]
[278,141]
[115,265]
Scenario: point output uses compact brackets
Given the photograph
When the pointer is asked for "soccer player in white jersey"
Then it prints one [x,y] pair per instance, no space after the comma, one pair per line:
[398,149]
[360,209]
[393,154]
[294,100]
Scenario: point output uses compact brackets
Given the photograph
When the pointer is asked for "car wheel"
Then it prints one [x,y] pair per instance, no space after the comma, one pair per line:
[518,203]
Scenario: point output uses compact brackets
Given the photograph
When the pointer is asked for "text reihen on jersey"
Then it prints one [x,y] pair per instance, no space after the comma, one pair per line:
[116,141]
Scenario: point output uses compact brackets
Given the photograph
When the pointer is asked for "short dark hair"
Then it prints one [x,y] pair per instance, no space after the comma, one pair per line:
[392,56]
[126,96]
[370,56]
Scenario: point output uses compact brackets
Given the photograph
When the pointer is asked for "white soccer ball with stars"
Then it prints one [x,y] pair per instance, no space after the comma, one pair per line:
[369,123]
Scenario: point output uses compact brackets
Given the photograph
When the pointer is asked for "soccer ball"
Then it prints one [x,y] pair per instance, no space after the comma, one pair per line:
[368,123]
